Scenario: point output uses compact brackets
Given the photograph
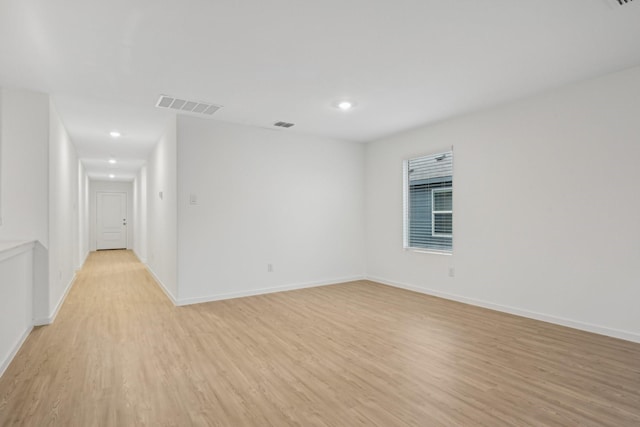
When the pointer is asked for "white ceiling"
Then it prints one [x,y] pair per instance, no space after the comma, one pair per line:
[404,62]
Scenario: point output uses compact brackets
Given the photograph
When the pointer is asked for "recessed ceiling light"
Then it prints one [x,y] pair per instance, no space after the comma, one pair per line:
[345,105]
[111,176]
[112,161]
[115,134]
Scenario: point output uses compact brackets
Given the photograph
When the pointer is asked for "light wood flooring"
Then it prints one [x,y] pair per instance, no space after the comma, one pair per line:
[120,354]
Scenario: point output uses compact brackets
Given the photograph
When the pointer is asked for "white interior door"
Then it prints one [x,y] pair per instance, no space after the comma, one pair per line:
[111,215]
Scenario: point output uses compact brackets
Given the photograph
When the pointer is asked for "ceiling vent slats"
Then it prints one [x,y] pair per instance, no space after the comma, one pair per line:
[189,106]
[184,106]
[621,2]
[164,102]
[200,108]
[177,104]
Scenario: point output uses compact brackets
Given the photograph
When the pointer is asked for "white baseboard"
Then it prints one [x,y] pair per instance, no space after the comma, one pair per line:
[162,285]
[84,259]
[142,260]
[588,327]
[52,317]
[262,291]
[5,363]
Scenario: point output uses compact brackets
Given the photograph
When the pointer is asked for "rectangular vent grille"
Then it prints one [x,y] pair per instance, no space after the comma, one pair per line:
[186,106]
[283,124]
[622,2]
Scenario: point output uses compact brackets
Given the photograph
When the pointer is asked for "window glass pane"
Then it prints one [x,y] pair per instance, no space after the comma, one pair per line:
[442,223]
[442,200]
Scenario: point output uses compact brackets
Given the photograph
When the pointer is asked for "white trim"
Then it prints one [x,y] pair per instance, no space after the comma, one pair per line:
[575,324]
[142,260]
[405,203]
[52,317]
[262,291]
[428,251]
[84,259]
[162,286]
[6,362]
[11,248]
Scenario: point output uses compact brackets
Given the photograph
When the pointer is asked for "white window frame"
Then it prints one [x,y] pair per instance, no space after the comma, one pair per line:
[405,205]
[434,212]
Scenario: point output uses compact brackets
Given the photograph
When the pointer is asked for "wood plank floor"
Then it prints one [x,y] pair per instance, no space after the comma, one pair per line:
[120,354]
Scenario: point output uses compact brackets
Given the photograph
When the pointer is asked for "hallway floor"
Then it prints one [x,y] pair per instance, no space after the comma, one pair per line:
[120,354]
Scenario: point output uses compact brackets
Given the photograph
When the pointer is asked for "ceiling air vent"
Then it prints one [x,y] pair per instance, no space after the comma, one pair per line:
[620,2]
[283,124]
[185,106]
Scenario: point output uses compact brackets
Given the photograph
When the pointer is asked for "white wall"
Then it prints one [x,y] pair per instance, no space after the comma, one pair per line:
[110,187]
[546,207]
[265,197]
[1,95]
[24,132]
[24,169]
[162,213]
[140,214]
[64,185]
[83,216]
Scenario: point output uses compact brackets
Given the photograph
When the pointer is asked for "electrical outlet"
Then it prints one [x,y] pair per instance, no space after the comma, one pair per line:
[269,268]
[452,272]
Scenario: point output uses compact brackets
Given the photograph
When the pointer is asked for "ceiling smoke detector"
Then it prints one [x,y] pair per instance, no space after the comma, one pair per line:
[184,106]
[283,124]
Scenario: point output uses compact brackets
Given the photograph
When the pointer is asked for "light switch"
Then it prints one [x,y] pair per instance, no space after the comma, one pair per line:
[193,199]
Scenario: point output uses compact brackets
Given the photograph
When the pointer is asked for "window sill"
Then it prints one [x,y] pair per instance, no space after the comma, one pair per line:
[427,251]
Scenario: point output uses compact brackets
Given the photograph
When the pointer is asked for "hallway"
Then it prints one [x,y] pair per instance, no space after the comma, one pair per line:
[95,364]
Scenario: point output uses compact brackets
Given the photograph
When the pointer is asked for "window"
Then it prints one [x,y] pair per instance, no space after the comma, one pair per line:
[429,202]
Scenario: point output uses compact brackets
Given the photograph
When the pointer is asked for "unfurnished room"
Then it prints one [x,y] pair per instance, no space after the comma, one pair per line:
[331,213]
